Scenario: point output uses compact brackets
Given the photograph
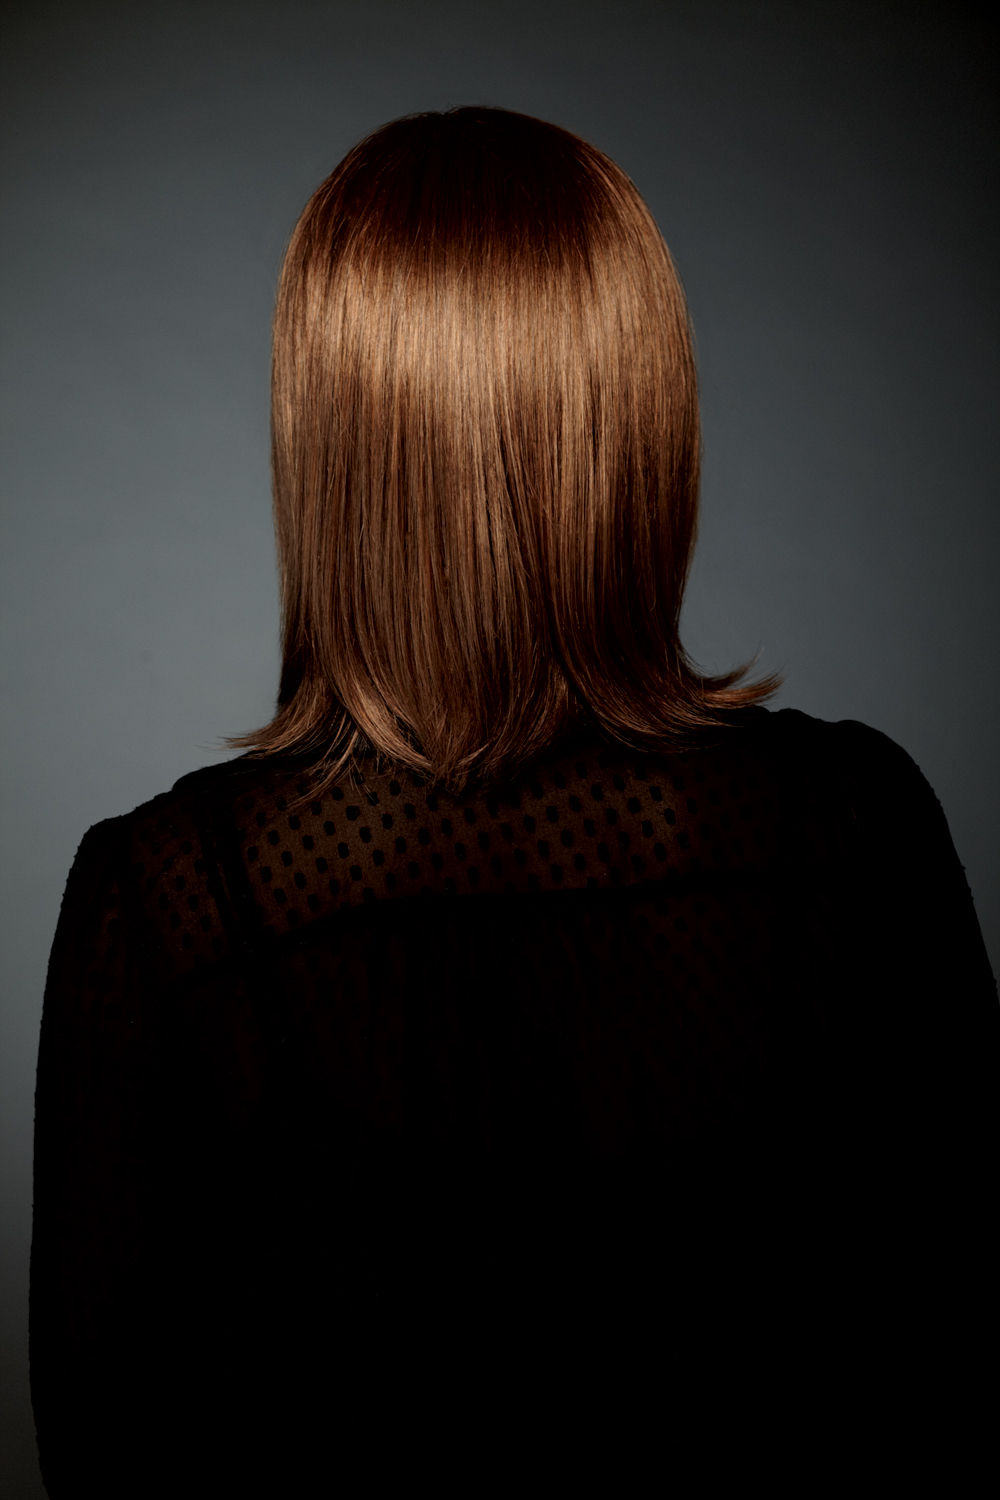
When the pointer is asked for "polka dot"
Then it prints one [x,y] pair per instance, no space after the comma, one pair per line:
[607,818]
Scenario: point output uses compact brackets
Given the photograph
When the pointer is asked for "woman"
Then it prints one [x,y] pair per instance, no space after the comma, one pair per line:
[515,959]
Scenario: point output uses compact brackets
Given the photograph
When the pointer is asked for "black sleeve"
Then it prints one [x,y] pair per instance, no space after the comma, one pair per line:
[89,1035]
[918,884]
[895,1146]
[924,1023]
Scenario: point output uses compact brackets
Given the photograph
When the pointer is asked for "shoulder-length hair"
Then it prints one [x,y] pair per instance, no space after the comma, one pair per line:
[485,449]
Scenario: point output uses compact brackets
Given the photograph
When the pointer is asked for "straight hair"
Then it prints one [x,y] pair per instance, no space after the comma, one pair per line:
[485,455]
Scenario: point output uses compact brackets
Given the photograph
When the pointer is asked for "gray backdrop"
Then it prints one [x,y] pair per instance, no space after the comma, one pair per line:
[824,177]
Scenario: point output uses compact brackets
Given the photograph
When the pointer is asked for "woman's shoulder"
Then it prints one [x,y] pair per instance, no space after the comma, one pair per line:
[587,813]
[171,814]
[764,733]
[246,845]
[160,855]
[796,753]
[848,739]
[174,812]
[881,780]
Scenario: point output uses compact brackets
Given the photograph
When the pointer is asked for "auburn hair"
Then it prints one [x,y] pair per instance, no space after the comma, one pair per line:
[485,451]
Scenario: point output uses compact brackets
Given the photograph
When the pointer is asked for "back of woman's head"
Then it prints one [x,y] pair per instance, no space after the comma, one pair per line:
[485,456]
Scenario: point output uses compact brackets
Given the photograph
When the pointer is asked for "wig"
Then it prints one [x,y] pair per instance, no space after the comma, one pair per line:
[485,458]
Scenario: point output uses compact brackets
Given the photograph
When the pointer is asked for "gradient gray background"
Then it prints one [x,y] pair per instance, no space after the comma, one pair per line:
[824,176]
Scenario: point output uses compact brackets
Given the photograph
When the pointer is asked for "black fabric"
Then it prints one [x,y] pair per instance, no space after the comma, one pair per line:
[368,1132]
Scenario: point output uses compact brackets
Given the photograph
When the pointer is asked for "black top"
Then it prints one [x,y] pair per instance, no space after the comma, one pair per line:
[338,1110]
